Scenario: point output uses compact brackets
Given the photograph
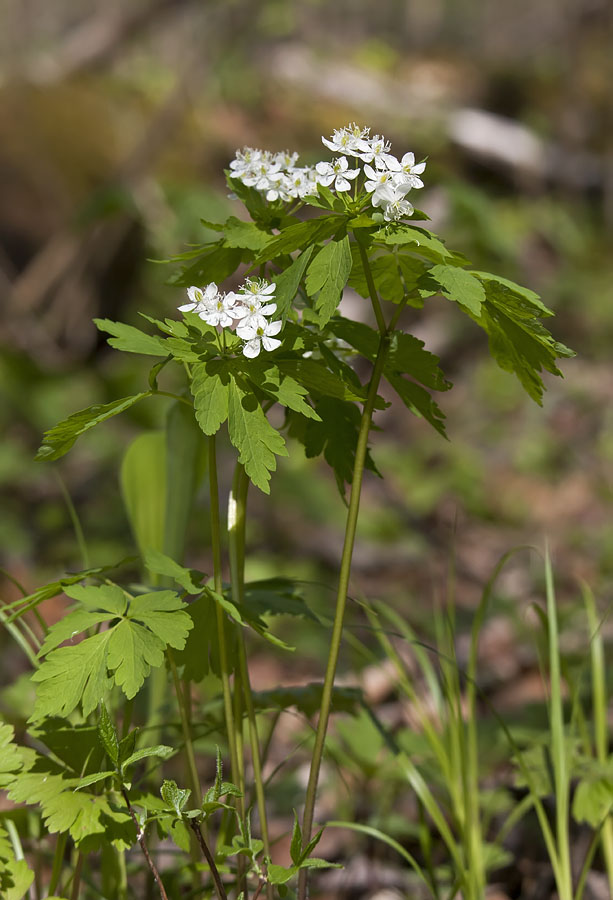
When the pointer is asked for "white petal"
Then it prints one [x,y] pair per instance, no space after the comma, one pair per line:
[419,168]
[341,184]
[268,309]
[252,348]
[273,328]
[270,343]
[187,307]
[329,144]
[326,180]
[323,168]
[269,289]
[370,172]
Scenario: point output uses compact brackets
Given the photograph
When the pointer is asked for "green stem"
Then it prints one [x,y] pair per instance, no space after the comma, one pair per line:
[221,627]
[76,881]
[58,859]
[185,726]
[236,534]
[345,569]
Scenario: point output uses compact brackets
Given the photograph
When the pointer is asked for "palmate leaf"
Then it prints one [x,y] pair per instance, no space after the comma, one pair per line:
[15,879]
[140,629]
[420,241]
[257,442]
[327,277]
[60,439]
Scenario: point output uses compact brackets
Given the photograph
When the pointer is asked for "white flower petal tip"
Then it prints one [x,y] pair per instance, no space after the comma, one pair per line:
[270,343]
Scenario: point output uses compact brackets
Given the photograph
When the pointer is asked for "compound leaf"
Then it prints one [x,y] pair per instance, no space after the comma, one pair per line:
[327,276]
[131,339]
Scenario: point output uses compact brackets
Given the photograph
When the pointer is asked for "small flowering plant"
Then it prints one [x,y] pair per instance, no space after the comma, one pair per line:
[260,328]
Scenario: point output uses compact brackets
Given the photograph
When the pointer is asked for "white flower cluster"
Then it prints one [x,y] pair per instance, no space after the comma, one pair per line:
[387,178]
[275,174]
[247,309]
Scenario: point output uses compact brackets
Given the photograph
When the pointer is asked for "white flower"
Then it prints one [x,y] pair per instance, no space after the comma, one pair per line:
[347,140]
[393,200]
[380,178]
[244,161]
[377,150]
[261,335]
[412,171]
[286,159]
[259,174]
[218,313]
[301,182]
[337,171]
[257,289]
[200,299]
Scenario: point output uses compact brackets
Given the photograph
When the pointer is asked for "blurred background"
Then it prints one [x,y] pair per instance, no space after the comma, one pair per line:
[116,122]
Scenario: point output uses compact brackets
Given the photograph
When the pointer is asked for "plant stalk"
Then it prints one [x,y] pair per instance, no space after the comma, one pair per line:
[140,837]
[219,888]
[236,533]
[221,627]
[345,568]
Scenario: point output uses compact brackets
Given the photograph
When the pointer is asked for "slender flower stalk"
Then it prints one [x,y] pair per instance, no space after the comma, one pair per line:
[345,569]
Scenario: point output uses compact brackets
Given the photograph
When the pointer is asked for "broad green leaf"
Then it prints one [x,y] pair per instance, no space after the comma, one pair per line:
[280,874]
[246,235]
[88,780]
[300,235]
[139,632]
[327,277]
[265,376]
[460,286]
[62,436]
[132,340]
[163,565]
[257,442]
[210,389]
[295,848]
[395,273]
[593,801]
[288,282]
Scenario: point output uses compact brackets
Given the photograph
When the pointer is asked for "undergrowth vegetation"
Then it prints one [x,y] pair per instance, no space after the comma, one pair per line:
[144,766]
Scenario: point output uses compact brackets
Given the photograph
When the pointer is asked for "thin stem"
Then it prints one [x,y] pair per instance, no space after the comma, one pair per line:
[140,837]
[76,880]
[236,533]
[221,627]
[76,522]
[187,737]
[219,888]
[345,569]
[58,859]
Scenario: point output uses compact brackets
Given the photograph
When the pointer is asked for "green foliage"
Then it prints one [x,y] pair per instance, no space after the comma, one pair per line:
[327,277]
[140,629]
[58,440]
[253,436]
